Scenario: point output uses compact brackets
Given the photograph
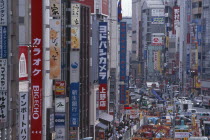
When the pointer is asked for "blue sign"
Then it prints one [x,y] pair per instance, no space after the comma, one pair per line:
[188,64]
[59,119]
[3,42]
[199,31]
[145,54]
[74,105]
[102,53]
[74,65]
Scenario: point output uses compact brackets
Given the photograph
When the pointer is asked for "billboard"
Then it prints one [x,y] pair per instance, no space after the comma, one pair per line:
[23,116]
[102,63]
[36,70]
[55,49]
[157,41]
[158,12]
[3,13]
[3,76]
[3,42]
[55,8]
[60,88]
[3,108]
[23,63]
[176,18]
[74,66]
[60,104]
[75,14]
[60,126]
[74,104]
[157,20]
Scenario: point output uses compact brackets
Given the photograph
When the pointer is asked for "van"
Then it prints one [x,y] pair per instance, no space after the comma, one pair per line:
[198,138]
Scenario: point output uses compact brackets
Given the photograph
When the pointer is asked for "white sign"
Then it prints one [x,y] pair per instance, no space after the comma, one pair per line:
[75,14]
[158,12]
[60,133]
[3,76]
[181,134]
[60,104]
[74,66]
[23,112]
[3,13]
[55,8]
[157,41]
[23,86]
[3,106]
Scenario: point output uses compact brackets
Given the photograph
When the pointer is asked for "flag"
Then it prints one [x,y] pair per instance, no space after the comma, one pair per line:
[119,11]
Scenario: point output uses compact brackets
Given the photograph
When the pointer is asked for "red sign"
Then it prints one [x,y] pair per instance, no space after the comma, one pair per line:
[23,63]
[103,97]
[156,41]
[176,18]
[89,3]
[105,7]
[36,70]
[60,87]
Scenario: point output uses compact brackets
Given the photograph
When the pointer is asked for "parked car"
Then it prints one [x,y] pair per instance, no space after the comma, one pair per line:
[197,101]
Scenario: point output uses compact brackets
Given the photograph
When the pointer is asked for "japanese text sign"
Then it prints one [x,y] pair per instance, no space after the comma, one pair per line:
[3,76]
[3,106]
[74,104]
[103,96]
[3,41]
[75,14]
[55,8]
[3,13]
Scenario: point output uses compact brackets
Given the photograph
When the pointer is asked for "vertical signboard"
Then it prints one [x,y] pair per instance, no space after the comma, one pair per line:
[23,110]
[155,56]
[55,49]
[23,63]
[3,41]
[89,3]
[74,104]
[123,48]
[75,37]
[74,66]
[60,126]
[60,104]
[55,8]
[188,60]
[3,76]
[105,7]
[3,13]
[176,18]
[60,87]
[75,14]
[36,70]
[3,106]
[102,72]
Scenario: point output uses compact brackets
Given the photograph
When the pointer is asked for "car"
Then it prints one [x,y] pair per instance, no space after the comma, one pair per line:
[197,101]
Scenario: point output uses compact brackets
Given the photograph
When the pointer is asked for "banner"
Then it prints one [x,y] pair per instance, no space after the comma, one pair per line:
[23,110]
[36,69]
[55,8]
[74,66]
[23,63]
[60,104]
[3,108]
[60,88]
[74,104]
[3,13]
[123,52]
[3,42]
[55,49]
[3,76]
[157,20]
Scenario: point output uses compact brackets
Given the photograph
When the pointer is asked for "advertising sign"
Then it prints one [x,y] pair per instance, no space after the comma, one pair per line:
[55,8]
[55,49]
[75,37]
[181,134]
[157,20]
[155,60]
[3,13]
[102,53]
[157,41]
[123,43]
[103,97]
[60,87]
[60,126]
[3,108]
[36,70]
[74,66]
[158,12]
[75,14]
[60,104]
[102,74]
[23,117]
[3,41]
[74,104]
[3,76]
[23,63]
[176,18]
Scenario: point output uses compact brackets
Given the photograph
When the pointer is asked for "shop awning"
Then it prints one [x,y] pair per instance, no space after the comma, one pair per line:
[106,117]
[101,125]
